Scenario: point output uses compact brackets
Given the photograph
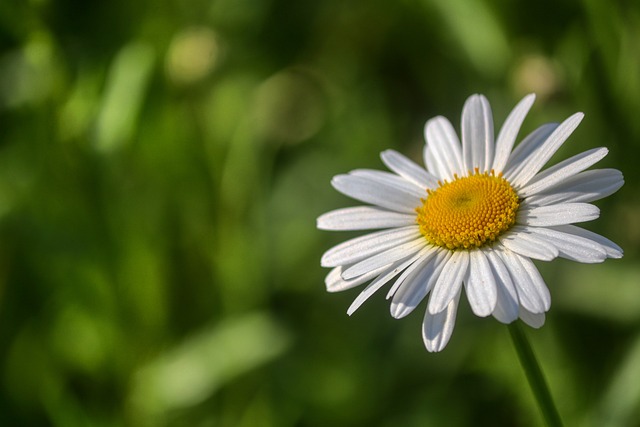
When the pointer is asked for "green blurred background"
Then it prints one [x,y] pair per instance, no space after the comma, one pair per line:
[162,164]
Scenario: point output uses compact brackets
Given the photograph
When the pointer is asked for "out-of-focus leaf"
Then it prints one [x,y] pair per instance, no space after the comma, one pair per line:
[195,369]
[609,290]
[620,403]
[126,87]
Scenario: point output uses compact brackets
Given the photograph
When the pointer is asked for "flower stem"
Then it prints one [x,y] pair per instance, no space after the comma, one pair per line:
[534,376]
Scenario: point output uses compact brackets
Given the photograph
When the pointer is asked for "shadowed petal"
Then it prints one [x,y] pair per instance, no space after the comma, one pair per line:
[381,259]
[416,287]
[481,285]
[533,293]
[362,247]
[449,282]
[506,310]
[385,276]
[437,328]
[409,274]
[335,282]
[535,320]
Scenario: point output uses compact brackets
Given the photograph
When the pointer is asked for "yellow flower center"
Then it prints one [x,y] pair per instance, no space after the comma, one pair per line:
[468,212]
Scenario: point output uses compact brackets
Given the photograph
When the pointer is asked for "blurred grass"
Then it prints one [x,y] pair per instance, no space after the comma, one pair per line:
[161,168]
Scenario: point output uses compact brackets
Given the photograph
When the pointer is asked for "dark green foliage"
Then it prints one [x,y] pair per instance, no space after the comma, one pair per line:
[161,168]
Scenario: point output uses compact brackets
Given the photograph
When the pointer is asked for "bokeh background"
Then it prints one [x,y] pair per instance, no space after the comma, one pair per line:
[162,164]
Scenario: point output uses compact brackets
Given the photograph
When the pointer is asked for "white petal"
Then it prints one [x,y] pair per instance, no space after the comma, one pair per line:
[533,293]
[449,282]
[381,259]
[521,241]
[390,180]
[612,250]
[362,247]
[477,134]
[409,274]
[385,276]
[585,186]
[335,282]
[416,287]
[537,159]
[437,328]
[377,193]
[430,163]
[444,149]
[535,320]
[481,285]
[509,132]
[506,310]
[564,213]
[571,246]
[562,171]
[363,218]
[528,146]
[408,169]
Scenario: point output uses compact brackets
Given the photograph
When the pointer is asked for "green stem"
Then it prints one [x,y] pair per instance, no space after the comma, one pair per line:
[534,375]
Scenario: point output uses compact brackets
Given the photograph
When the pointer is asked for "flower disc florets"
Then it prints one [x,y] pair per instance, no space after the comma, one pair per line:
[468,212]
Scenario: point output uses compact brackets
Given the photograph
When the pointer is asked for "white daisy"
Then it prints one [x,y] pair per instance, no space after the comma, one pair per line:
[476,216]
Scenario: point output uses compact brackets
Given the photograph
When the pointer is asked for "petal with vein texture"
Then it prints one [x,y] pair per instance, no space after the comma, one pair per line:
[506,310]
[425,254]
[587,186]
[381,259]
[387,274]
[362,247]
[408,169]
[481,285]
[532,291]
[564,213]
[521,241]
[363,218]
[509,132]
[389,179]
[437,328]
[376,193]
[571,246]
[541,155]
[417,287]
[449,282]
[443,155]
[563,170]
[528,145]
[477,134]
[612,250]
[335,282]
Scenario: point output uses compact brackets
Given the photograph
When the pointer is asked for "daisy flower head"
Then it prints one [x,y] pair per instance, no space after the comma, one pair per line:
[473,219]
